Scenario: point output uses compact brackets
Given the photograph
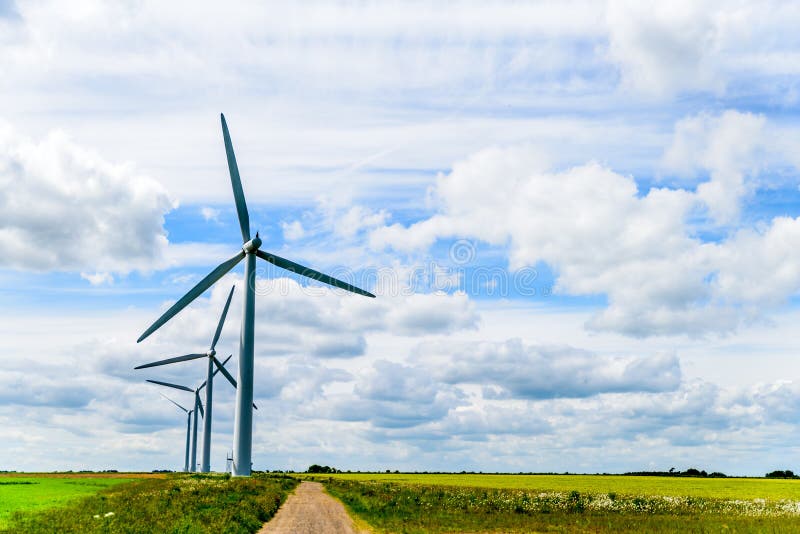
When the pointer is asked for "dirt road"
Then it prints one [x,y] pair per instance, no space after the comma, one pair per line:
[309,510]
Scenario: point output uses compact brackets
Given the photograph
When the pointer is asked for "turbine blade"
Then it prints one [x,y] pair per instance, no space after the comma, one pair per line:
[310,273]
[224,371]
[205,382]
[172,360]
[200,406]
[193,293]
[236,182]
[175,403]
[216,370]
[176,386]
[222,319]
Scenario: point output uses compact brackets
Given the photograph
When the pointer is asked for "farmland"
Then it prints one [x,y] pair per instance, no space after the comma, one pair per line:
[567,503]
[32,493]
[719,488]
[175,503]
[404,503]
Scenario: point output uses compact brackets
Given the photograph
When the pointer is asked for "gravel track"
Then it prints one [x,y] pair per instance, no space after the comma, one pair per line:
[309,510]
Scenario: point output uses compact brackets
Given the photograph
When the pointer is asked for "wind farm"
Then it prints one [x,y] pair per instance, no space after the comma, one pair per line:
[243,421]
[214,366]
[191,425]
[381,267]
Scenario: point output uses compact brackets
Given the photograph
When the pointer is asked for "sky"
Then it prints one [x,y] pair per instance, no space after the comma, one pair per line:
[581,219]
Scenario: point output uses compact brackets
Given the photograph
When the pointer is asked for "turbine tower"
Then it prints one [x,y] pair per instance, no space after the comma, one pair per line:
[188,430]
[243,420]
[212,362]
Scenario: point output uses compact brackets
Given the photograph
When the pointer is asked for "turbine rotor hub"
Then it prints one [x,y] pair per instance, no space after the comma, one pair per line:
[211,353]
[251,246]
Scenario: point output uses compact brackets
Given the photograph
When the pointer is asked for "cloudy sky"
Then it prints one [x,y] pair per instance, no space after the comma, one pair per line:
[582,221]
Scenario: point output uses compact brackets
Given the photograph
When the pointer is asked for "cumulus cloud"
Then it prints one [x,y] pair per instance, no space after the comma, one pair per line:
[393,395]
[534,372]
[666,48]
[358,218]
[296,319]
[663,47]
[425,409]
[429,393]
[209,213]
[293,230]
[604,236]
[28,389]
[66,208]
[729,147]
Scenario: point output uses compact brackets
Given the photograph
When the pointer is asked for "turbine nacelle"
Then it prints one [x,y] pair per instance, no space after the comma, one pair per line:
[252,246]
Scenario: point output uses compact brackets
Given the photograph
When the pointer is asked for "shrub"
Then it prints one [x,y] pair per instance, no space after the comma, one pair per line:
[781,474]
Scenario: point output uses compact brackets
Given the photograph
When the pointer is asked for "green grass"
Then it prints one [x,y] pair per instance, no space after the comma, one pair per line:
[176,504]
[719,488]
[18,494]
[473,506]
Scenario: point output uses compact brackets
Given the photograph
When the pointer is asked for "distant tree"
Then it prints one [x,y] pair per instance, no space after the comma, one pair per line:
[781,474]
[316,468]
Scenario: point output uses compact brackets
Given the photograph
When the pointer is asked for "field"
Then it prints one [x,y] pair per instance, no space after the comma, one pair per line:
[31,493]
[402,503]
[719,488]
[567,503]
[175,503]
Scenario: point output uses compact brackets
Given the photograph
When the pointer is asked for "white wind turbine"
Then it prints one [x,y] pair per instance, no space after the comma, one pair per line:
[188,430]
[198,407]
[209,383]
[243,421]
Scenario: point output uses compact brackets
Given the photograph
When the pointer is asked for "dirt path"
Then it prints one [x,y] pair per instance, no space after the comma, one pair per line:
[309,510]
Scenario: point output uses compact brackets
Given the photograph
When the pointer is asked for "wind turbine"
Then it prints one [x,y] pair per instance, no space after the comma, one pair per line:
[212,361]
[243,420]
[188,430]
[198,407]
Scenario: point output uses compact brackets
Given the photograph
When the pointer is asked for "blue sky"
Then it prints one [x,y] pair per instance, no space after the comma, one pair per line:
[582,222]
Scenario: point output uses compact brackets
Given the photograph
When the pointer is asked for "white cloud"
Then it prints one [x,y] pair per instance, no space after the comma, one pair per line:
[209,214]
[664,47]
[603,236]
[293,231]
[66,208]
[359,218]
[97,279]
[729,147]
[300,320]
[538,372]
[709,45]
[398,413]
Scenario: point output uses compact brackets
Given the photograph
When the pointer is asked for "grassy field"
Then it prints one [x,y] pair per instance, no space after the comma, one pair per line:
[35,492]
[716,488]
[176,503]
[567,503]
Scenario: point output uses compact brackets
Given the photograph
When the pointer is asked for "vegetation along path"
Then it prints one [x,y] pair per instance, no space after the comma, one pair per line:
[310,511]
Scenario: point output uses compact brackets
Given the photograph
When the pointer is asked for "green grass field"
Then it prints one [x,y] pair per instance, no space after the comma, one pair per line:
[173,503]
[713,488]
[566,503]
[39,492]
